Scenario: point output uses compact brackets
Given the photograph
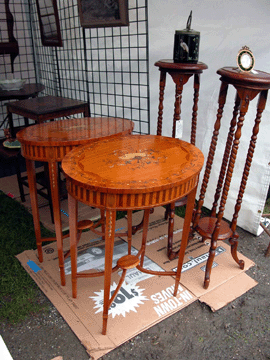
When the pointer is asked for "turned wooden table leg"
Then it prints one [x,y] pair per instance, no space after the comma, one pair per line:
[144,235]
[171,212]
[162,83]
[185,236]
[234,244]
[109,244]
[53,173]
[73,219]
[195,109]
[129,218]
[31,175]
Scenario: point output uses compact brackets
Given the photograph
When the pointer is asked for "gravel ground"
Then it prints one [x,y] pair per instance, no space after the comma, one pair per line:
[240,330]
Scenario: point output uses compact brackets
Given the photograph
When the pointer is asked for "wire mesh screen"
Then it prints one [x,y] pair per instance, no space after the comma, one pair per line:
[107,67]
[23,63]
[23,66]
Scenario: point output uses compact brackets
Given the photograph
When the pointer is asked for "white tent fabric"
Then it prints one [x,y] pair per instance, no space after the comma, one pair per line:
[225,27]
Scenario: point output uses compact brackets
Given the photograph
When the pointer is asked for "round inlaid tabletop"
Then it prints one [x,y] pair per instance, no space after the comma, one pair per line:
[164,168]
[252,79]
[171,65]
[66,134]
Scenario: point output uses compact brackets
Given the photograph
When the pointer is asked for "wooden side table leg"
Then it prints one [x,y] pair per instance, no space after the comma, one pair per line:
[234,244]
[31,174]
[53,173]
[185,235]
[162,83]
[171,212]
[195,108]
[129,218]
[209,263]
[86,112]
[103,215]
[11,125]
[109,244]
[26,121]
[144,235]
[73,220]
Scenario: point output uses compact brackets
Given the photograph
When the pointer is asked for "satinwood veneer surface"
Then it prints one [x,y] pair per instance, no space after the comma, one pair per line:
[171,65]
[50,142]
[256,79]
[137,164]
[69,133]
[127,173]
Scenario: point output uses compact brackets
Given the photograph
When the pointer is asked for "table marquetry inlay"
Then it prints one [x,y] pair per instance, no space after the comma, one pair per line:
[50,142]
[129,173]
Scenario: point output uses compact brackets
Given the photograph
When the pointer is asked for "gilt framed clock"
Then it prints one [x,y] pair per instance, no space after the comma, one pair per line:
[245,59]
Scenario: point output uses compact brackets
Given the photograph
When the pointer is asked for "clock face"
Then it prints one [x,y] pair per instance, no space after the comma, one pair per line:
[245,60]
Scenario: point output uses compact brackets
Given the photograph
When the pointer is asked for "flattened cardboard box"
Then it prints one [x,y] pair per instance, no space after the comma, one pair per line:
[143,299]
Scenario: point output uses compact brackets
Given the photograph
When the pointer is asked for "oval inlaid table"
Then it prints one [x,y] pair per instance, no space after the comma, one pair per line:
[129,173]
[50,142]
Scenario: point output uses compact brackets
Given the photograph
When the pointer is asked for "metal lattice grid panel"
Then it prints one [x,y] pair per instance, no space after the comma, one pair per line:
[108,67]
[24,63]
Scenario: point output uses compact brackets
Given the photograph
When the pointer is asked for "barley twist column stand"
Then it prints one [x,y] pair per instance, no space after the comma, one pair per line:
[180,74]
[248,86]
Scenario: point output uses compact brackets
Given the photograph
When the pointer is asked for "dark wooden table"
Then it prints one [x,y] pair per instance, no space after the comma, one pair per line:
[130,173]
[248,86]
[45,108]
[50,142]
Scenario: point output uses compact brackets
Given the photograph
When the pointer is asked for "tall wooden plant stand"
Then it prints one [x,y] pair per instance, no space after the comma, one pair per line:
[248,86]
[180,74]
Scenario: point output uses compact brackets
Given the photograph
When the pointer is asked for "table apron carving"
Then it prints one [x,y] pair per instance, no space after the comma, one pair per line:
[45,153]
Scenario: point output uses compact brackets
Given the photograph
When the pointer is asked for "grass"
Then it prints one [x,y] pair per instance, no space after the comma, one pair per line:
[267,207]
[18,292]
